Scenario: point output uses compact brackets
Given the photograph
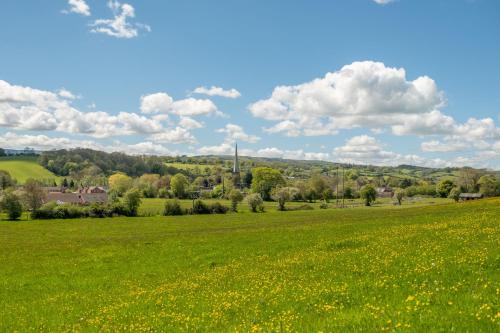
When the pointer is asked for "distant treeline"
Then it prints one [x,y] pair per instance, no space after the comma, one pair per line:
[64,162]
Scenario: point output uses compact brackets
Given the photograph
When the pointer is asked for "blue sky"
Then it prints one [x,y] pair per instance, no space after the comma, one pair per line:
[410,81]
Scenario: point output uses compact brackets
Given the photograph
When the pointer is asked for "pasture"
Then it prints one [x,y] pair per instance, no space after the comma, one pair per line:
[23,167]
[420,268]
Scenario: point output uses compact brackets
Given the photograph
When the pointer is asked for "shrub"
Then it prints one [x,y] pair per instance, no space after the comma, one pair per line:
[398,195]
[443,188]
[172,208]
[454,194]
[98,210]
[236,197]
[163,193]
[368,194]
[132,201]
[68,211]
[218,208]
[200,207]
[11,203]
[281,195]
[255,202]
[324,205]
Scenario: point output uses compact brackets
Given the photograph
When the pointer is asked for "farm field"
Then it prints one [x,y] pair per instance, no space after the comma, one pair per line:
[416,269]
[23,167]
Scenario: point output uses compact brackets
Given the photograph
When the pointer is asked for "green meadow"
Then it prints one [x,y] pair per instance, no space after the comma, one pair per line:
[23,167]
[415,268]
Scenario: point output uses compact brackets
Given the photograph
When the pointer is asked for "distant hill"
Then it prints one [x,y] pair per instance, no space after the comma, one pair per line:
[23,167]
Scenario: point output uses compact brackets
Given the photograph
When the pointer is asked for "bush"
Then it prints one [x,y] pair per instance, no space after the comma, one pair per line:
[66,211]
[163,193]
[172,208]
[11,203]
[368,194]
[132,201]
[454,194]
[200,207]
[255,202]
[98,210]
[235,196]
[52,210]
[218,208]
[324,205]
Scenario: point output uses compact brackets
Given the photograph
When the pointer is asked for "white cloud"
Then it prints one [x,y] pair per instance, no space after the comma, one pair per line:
[26,108]
[364,149]
[190,123]
[162,103]
[236,133]
[217,91]
[44,142]
[362,94]
[64,93]
[299,154]
[227,148]
[383,2]
[438,146]
[177,135]
[370,95]
[224,149]
[78,7]
[119,26]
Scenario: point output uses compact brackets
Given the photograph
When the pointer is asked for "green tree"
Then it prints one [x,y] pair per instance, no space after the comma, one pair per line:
[368,194]
[255,202]
[148,183]
[444,187]
[454,194]
[264,180]
[120,183]
[487,185]
[179,185]
[236,197]
[11,204]
[33,194]
[281,195]
[399,195]
[132,201]
[6,180]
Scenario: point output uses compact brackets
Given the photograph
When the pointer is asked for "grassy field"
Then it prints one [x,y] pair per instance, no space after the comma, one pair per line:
[24,167]
[429,268]
[152,207]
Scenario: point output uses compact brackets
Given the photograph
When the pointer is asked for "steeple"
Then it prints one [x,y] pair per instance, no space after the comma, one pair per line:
[236,164]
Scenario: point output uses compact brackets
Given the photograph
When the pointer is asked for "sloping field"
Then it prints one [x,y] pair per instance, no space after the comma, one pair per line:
[24,167]
[419,269]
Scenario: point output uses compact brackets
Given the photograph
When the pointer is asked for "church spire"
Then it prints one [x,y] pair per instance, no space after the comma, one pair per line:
[236,164]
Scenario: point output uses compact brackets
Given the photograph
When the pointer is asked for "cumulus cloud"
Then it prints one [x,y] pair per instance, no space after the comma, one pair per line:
[162,103]
[119,26]
[371,95]
[177,135]
[364,149]
[217,91]
[78,7]
[362,94]
[237,133]
[190,123]
[26,108]
[44,142]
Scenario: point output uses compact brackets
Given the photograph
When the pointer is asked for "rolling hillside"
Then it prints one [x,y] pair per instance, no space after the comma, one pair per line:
[23,167]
